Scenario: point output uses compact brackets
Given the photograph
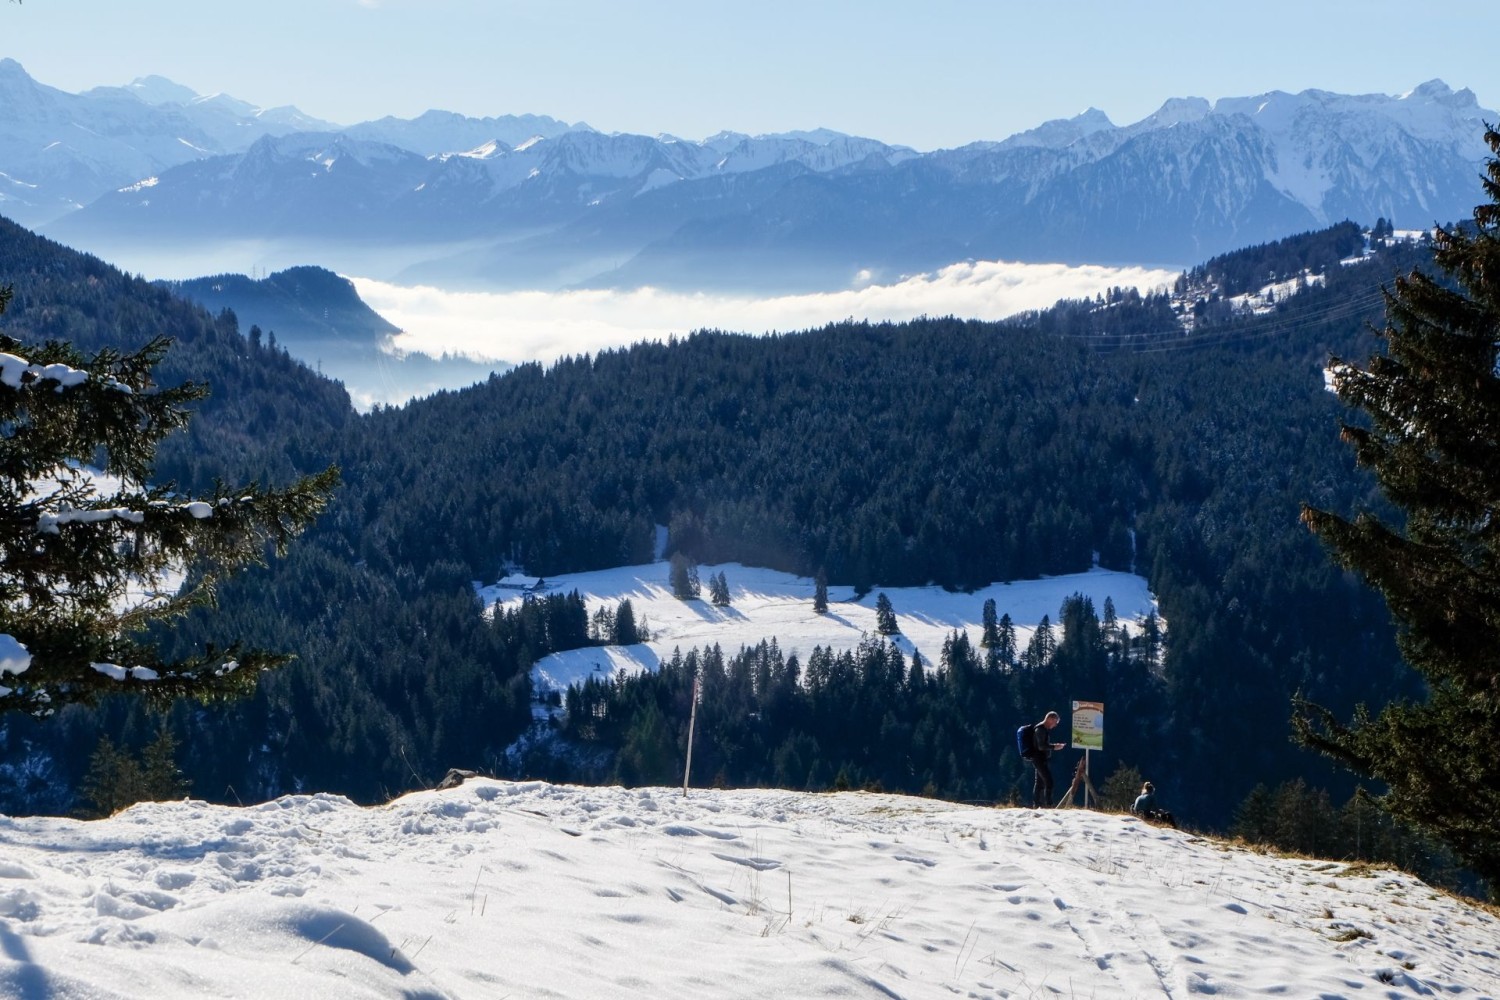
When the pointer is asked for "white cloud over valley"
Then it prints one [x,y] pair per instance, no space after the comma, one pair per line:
[544,326]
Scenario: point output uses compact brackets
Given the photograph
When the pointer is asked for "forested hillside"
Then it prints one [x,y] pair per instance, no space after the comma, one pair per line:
[936,451]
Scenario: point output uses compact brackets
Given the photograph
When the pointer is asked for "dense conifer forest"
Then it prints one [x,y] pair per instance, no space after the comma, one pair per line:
[936,451]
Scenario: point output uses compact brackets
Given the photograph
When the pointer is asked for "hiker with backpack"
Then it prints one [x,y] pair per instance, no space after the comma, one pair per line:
[1036,746]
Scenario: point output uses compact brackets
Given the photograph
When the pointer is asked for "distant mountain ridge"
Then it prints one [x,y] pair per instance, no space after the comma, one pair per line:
[531,202]
[318,317]
[310,302]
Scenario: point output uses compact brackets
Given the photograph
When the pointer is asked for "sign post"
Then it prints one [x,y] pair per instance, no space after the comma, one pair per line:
[1088,734]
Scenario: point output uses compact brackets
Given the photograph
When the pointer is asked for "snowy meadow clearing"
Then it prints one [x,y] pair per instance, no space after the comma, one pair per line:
[532,890]
[767,604]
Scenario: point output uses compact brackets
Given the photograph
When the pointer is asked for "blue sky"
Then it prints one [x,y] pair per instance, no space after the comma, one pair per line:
[929,74]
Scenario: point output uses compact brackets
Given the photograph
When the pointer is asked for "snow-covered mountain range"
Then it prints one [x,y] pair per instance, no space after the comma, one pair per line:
[531,202]
[60,151]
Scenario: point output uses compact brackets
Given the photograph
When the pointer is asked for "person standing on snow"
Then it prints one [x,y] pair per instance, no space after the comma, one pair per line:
[1041,759]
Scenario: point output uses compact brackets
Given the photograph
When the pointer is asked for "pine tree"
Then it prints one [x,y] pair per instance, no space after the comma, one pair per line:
[1042,646]
[80,545]
[1151,644]
[602,625]
[1433,406]
[885,616]
[718,590]
[113,780]
[1253,816]
[1005,641]
[623,631]
[1120,789]
[990,637]
[820,593]
[684,578]
[161,779]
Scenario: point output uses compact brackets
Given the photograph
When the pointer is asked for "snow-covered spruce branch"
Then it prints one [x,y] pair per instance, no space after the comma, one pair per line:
[89,557]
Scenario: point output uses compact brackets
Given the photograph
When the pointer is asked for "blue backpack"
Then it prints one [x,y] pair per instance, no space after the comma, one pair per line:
[1024,741]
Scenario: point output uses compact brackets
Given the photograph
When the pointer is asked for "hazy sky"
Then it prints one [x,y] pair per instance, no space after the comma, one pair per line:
[929,74]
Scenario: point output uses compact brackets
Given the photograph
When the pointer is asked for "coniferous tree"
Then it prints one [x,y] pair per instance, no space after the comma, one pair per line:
[991,624]
[602,625]
[684,578]
[1151,641]
[885,616]
[718,590]
[623,631]
[1433,404]
[1253,818]
[1005,641]
[820,593]
[1119,790]
[89,557]
[1042,645]
[113,780]
[161,779]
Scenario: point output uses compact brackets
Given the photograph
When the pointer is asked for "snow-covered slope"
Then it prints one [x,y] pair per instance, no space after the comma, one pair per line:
[1338,154]
[496,889]
[766,604]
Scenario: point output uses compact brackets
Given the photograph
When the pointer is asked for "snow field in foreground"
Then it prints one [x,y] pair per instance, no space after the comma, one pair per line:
[498,889]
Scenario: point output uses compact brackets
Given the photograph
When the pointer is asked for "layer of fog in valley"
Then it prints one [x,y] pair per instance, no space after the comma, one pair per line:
[543,326]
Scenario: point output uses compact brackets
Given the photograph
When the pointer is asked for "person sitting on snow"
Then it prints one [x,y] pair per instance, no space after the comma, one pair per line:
[1145,807]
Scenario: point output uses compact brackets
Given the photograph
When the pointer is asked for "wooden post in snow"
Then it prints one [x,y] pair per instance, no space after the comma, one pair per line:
[692,719]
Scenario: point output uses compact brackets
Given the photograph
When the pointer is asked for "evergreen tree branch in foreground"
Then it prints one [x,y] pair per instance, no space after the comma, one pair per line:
[90,555]
[1433,442]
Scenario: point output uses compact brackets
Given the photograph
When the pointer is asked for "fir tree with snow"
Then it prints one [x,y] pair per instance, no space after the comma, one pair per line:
[91,553]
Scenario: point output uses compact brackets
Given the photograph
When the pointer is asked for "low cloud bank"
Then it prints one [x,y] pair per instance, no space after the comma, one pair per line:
[544,326]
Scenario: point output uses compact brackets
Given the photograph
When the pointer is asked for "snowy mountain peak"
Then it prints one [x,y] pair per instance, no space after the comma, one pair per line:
[160,90]
[1176,111]
[1061,132]
[486,150]
[442,133]
[224,102]
[818,136]
[1438,92]
[15,81]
